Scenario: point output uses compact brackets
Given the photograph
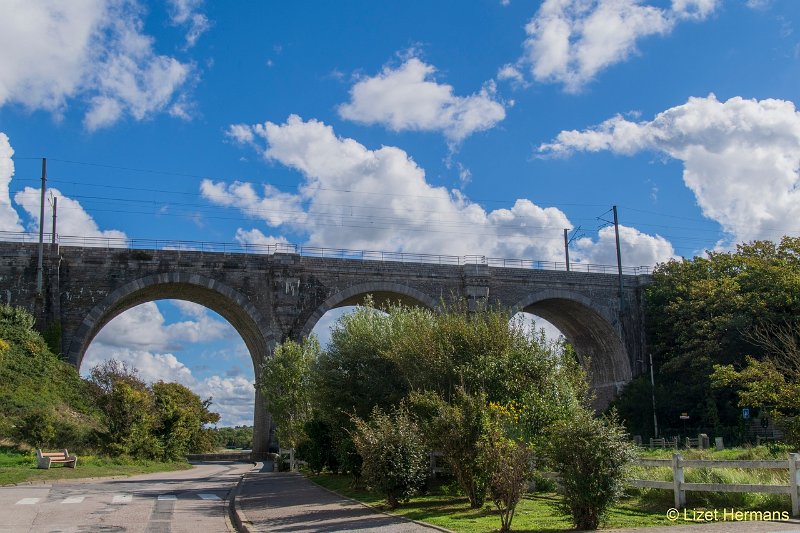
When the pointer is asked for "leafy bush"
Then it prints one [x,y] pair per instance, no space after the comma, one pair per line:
[591,455]
[181,415]
[239,437]
[161,422]
[456,430]
[395,463]
[37,429]
[508,465]
[317,449]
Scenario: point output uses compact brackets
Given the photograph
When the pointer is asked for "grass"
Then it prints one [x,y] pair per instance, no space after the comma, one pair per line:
[20,467]
[749,453]
[536,513]
[717,500]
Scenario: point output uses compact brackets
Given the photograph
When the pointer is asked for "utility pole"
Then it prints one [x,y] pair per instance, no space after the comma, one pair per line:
[40,269]
[568,240]
[619,256]
[653,383]
[55,208]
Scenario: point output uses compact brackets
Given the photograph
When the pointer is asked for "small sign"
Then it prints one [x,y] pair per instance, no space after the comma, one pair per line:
[684,416]
[745,413]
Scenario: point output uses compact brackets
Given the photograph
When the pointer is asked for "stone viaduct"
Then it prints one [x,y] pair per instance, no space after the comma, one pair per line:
[269,297]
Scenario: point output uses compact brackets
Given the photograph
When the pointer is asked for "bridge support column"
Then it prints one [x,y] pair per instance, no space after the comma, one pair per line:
[262,428]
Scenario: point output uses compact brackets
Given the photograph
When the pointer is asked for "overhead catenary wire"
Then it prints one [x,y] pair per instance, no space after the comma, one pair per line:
[359,215]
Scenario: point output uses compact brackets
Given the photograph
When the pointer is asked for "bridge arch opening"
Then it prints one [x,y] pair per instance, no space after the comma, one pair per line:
[591,329]
[184,342]
[383,294]
[239,313]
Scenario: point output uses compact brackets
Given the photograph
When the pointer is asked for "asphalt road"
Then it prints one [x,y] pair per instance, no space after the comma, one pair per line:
[185,501]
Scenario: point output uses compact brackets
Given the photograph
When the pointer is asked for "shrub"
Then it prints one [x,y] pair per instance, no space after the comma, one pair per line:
[37,429]
[317,449]
[591,455]
[390,445]
[508,464]
[456,430]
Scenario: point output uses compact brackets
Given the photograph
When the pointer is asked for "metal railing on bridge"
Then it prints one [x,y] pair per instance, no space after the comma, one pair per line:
[315,251]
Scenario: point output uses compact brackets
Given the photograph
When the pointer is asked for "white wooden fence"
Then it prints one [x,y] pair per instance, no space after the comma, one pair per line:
[680,487]
[294,464]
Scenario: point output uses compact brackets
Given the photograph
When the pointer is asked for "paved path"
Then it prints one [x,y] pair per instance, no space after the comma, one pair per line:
[289,502]
[191,501]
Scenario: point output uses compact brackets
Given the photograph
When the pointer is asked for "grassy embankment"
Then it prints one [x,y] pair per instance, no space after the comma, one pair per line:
[20,467]
[641,508]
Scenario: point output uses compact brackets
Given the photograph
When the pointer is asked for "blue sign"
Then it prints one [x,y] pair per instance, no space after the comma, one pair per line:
[745,413]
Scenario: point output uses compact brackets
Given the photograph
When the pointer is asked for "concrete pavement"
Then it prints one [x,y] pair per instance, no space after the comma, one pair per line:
[190,501]
[285,501]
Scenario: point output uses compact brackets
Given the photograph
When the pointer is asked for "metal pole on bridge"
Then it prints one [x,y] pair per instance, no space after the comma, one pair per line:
[619,256]
[40,269]
[566,246]
[55,211]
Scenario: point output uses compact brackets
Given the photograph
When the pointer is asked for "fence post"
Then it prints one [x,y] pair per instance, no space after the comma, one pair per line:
[794,481]
[677,481]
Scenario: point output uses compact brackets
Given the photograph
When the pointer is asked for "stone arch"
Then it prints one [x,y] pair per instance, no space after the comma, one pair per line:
[593,330]
[217,296]
[382,292]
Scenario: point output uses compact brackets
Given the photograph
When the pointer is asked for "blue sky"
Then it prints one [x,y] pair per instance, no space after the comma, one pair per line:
[431,127]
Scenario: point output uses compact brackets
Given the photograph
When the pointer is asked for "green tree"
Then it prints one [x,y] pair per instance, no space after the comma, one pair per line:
[239,437]
[128,406]
[702,312]
[287,386]
[181,417]
[762,385]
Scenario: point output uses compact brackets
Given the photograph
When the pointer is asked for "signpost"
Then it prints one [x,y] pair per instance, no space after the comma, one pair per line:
[684,417]
[745,413]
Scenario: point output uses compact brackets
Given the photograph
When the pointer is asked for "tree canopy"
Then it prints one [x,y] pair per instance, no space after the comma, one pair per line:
[705,311]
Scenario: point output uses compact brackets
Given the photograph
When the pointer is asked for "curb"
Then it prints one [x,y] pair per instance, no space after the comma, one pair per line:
[237,515]
[374,510]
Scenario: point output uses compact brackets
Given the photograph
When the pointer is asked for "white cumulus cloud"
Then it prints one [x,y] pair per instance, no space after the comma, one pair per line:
[9,218]
[740,158]
[571,41]
[94,51]
[73,220]
[408,98]
[358,198]
[636,248]
[255,236]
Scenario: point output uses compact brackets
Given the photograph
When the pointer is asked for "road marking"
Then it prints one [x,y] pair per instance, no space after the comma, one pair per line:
[74,499]
[122,498]
[28,501]
[167,497]
[209,497]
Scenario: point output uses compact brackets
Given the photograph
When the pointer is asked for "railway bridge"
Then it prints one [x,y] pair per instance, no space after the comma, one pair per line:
[277,292]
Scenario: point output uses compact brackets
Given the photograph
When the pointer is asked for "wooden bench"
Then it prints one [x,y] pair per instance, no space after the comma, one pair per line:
[45,459]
